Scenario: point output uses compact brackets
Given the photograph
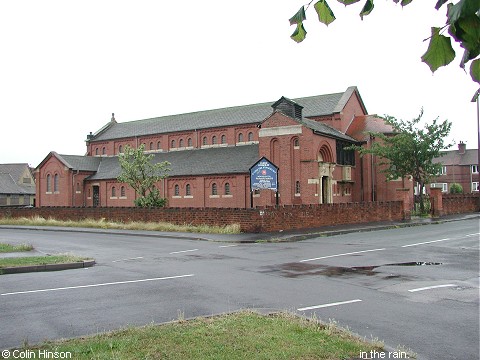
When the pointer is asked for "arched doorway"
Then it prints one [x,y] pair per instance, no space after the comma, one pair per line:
[325,175]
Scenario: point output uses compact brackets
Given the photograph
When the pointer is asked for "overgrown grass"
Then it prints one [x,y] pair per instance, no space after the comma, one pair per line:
[244,335]
[136,225]
[6,248]
[39,260]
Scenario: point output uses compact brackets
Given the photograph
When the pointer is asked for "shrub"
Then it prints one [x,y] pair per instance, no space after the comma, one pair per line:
[456,189]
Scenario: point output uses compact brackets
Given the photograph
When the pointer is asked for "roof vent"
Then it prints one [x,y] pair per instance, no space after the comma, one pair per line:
[113,118]
[288,107]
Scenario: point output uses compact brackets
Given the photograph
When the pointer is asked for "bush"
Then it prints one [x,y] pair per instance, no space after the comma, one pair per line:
[456,189]
[152,199]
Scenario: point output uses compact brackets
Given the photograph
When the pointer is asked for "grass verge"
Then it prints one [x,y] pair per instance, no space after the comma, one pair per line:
[136,225]
[243,335]
[40,260]
[6,248]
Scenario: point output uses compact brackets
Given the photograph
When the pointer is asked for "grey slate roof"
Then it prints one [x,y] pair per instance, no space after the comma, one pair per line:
[219,160]
[11,177]
[453,157]
[326,130]
[81,163]
[247,114]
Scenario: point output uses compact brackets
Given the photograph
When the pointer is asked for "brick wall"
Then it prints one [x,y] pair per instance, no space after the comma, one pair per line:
[460,203]
[250,220]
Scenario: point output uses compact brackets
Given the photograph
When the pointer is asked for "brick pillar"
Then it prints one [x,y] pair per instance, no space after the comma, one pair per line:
[404,195]
[436,200]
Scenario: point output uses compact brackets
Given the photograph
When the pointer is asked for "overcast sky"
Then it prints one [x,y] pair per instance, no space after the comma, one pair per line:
[65,66]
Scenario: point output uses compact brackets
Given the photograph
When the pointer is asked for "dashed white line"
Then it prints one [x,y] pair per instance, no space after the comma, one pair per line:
[97,285]
[134,258]
[329,305]
[183,251]
[426,242]
[431,287]
[344,254]
[226,246]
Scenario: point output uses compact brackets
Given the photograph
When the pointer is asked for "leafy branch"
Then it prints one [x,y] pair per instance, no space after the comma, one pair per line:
[463,23]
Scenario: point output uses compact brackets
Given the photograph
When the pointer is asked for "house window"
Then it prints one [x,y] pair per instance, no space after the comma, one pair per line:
[96,151]
[297,187]
[189,142]
[296,143]
[227,188]
[474,169]
[151,146]
[104,151]
[122,191]
[474,186]
[345,156]
[214,139]
[173,144]
[250,136]
[204,141]
[78,187]
[55,183]
[188,190]
[159,145]
[49,183]
[443,186]
[240,137]
[443,170]
[114,192]
[120,149]
[177,190]
[180,143]
[214,189]
[223,139]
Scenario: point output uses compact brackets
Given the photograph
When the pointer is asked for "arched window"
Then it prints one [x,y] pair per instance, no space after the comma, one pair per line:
[180,143]
[296,142]
[297,187]
[49,183]
[227,189]
[177,190]
[214,189]
[120,149]
[240,137]
[173,144]
[159,145]
[204,141]
[114,191]
[55,183]
[189,142]
[223,139]
[78,187]
[214,139]
[151,145]
[122,191]
[250,136]
[104,151]
[188,190]
[96,151]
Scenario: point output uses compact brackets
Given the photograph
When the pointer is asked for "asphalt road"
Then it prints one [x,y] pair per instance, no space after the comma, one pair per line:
[417,287]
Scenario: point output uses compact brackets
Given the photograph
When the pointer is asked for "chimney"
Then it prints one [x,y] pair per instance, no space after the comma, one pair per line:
[462,147]
[89,136]
[113,118]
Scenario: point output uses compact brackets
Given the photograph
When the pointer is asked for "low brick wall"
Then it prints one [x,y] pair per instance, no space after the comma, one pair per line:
[460,203]
[250,220]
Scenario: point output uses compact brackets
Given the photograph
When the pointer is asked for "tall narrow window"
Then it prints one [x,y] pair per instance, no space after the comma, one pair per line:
[104,151]
[159,145]
[188,190]
[204,141]
[55,183]
[240,137]
[49,183]
[120,149]
[214,139]
[297,187]
[122,191]
[114,192]
[296,142]
[78,187]
[173,144]
[227,189]
[180,143]
[250,136]
[151,145]
[223,139]
[177,190]
[474,169]
[214,189]
[96,151]
[189,142]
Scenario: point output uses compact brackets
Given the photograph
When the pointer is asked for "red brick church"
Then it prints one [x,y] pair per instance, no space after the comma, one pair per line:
[211,153]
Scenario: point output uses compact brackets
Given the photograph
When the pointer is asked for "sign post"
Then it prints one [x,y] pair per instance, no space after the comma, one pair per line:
[263,175]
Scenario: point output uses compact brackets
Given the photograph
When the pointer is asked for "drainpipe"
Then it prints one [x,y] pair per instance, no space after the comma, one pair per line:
[74,188]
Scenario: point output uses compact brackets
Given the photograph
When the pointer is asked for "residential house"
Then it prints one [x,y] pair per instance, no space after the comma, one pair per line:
[17,185]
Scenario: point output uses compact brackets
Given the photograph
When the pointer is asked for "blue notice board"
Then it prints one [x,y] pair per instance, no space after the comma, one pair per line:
[264,175]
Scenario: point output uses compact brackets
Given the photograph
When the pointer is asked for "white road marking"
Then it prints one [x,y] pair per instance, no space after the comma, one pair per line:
[183,251]
[431,287]
[426,242]
[470,235]
[329,305]
[226,246]
[134,258]
[345,254]
[97,285]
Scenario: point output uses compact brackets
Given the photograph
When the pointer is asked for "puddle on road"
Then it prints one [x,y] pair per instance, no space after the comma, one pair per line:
[297,269]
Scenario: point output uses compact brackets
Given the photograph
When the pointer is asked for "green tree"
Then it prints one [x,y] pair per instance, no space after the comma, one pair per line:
[463,23]
[142,173]
[456,188]
[411,150]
